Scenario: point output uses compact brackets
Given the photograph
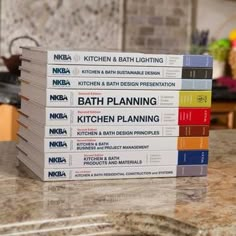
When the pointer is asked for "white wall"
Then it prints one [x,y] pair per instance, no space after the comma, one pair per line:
[211,14]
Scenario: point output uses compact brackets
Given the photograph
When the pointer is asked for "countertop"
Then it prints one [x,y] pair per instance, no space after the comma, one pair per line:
[170,206]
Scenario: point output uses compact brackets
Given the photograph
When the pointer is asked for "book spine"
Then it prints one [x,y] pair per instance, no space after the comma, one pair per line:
[111,58]
[110,173]
[126,172]
[96,116]
[126,72]
[124,131]
[111,98]
[118,131]
[116,83]
[128,59]
[127,144]
[122,159]
[110,117]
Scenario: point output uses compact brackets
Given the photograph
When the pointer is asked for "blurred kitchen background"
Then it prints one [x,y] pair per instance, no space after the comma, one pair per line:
[151,26]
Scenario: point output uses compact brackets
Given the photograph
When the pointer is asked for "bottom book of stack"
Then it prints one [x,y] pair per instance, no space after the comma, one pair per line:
[84,165]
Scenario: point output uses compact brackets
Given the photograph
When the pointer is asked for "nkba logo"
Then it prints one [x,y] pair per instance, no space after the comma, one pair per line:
[57,144]
[58,116]
[57,160]
[56,174]
[58,98]
[60,82]
[62,57]
[61,71]
[58,131]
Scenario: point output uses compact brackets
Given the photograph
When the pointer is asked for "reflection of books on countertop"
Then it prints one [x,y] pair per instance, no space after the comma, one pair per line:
[151,198]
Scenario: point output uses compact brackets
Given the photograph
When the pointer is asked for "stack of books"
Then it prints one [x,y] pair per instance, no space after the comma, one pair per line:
[107,115]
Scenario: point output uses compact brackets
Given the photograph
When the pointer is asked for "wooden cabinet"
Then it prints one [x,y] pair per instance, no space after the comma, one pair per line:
[224,113]
[8,123]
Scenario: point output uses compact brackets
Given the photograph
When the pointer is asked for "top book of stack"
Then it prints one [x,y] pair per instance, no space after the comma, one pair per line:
[45,56]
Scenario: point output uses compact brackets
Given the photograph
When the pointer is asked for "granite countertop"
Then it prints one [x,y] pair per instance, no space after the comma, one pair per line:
[170,206]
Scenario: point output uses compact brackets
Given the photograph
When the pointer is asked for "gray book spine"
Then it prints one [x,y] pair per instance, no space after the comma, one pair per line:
[193,170]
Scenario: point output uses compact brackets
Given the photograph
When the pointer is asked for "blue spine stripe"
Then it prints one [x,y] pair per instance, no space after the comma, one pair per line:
[193,157]
[197,61]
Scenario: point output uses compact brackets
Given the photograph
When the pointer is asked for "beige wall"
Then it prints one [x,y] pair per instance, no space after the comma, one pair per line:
[155,26]
[211,14]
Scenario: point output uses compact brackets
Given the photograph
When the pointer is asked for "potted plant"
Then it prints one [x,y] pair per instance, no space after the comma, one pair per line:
[219,50]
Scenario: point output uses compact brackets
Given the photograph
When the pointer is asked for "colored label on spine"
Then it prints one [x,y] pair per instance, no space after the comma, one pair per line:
[193,130]
[188,116]
[192,99]
[192,143]
[193,157]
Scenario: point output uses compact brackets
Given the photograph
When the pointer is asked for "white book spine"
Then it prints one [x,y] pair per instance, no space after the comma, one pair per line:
[111,159]
[106,144]
[127,83]
[114,71]
[105,131]
[102,98]
[104,58]
[102,116]
[103,71]
[115,98]
[111,173]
